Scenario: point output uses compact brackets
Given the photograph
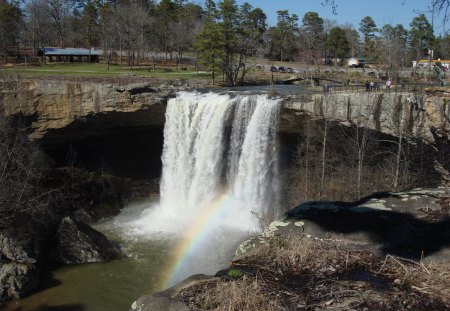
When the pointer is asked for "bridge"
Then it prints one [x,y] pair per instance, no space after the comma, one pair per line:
[315,78]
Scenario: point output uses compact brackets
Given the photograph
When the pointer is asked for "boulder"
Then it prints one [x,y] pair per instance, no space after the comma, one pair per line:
[414,224]
[166,300]
[76,243]
[16,280]
[22,243]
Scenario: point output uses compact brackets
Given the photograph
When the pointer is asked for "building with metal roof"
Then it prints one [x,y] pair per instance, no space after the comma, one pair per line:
[70,55]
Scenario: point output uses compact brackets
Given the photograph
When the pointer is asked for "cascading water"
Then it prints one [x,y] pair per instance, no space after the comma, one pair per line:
[219,174]
[219,166]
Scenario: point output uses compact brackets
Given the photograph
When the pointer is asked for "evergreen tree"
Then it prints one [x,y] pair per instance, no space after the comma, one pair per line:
[287,32]
[337,43]
[210,45]
[422,37]
[313,30]
[368,28]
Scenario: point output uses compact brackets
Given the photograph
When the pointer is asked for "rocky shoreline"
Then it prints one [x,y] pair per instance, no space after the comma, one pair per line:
[388,250]
[28,246]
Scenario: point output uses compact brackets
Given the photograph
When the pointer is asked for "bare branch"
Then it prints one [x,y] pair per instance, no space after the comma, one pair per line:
[332,4]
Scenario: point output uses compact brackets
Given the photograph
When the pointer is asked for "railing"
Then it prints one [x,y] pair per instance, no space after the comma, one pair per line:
[396,88]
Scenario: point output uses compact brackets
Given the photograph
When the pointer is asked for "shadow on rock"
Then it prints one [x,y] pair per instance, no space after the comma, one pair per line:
[410,224]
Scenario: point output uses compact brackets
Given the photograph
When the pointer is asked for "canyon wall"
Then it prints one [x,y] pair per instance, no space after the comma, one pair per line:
[61,109]
[419,115]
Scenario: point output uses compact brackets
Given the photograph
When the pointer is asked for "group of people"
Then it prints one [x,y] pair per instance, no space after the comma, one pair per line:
[375,86]
[370,86]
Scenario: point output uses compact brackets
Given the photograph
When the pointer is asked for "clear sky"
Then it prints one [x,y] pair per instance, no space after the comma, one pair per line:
[352,11]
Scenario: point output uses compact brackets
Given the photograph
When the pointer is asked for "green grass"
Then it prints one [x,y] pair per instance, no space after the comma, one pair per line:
[235,273]
[100,70]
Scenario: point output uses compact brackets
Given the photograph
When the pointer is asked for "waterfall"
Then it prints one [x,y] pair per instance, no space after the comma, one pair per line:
[218,146]
[219,180]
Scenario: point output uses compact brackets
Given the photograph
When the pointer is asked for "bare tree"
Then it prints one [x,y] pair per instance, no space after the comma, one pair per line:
[39,28]
[21,190]
[131,22]
[58,11]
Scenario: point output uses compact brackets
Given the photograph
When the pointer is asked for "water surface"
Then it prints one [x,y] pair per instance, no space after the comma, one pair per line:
[106,286]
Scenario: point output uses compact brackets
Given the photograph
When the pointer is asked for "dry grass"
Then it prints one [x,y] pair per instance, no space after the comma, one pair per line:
[307,274]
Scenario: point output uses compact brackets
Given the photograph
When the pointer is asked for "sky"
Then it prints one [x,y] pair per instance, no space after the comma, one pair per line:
[352,11]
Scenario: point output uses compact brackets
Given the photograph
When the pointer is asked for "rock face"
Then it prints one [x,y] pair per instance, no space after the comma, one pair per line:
[87,109]
[21,244]
[21,249]
[77,243]
[413,224]
[165,300]
[16,280]
[61,109]
[390,113]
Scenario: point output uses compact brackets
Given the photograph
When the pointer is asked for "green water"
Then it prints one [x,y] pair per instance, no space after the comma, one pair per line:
[107,286]
[114,285]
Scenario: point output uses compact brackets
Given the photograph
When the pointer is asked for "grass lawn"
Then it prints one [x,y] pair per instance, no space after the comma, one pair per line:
[100,70]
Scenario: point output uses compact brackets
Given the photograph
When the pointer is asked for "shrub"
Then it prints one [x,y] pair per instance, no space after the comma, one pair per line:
[235,273]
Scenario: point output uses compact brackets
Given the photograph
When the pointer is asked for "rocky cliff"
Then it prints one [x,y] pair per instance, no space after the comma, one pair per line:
[119,128]
[58,109]
[85,109]
[419,115]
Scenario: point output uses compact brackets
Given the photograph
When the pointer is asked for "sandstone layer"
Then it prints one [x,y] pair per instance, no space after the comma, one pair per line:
[58,109]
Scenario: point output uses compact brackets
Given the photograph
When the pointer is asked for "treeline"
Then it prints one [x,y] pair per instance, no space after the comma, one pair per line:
[221,33]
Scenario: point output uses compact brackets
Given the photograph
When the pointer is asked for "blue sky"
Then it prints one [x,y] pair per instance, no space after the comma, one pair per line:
[352,11]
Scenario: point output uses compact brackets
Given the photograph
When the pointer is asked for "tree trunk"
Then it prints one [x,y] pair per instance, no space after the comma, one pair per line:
[324,148]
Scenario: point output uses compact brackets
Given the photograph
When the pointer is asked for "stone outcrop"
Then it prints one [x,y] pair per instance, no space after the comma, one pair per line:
[86,109]
[77,243]
[24,246]
[413,224]
[16,280]
[414,114]
[166,300]
[58,109]
[21,244]
[21,249]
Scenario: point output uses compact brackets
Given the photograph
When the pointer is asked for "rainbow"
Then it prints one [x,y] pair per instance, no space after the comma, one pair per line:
[208,217]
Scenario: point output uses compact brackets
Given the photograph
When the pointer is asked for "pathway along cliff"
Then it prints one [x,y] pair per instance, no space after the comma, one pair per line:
[220,152]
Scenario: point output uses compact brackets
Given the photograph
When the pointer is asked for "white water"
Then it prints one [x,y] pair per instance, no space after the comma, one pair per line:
[216,146]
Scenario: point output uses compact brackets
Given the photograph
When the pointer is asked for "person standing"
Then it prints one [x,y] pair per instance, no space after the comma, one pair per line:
[388,86]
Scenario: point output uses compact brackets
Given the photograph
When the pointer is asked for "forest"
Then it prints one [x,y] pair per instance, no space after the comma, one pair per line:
[221,35]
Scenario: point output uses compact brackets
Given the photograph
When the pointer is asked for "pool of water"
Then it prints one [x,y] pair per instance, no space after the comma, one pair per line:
[281,89]
[106,286]
[277,89]
[114,285]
